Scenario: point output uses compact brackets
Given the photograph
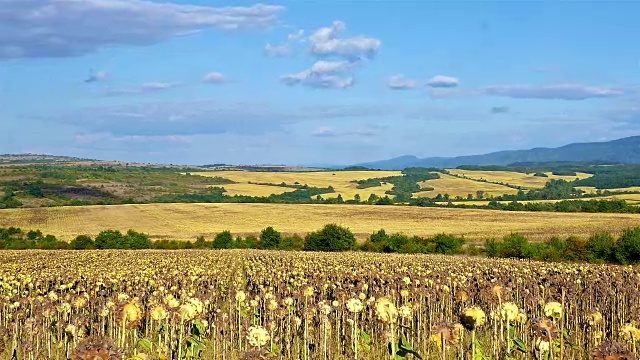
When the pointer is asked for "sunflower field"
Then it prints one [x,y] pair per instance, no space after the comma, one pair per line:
[248,304]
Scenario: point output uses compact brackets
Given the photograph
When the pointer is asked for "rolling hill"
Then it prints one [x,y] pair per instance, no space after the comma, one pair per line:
[625,151]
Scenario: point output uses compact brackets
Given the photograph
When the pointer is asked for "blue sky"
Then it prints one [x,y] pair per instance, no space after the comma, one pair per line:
[313,82]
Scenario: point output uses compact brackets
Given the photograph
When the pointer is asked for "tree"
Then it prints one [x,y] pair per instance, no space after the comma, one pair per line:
[34,235]
[357,199]
[628,249]
[136,240]
[447,244]
[331,238]
[340,199]
[379,236]
[469,196]
[200,243]
[372,199]
[294,242]
[601,247]
[82,242]
[109,239]
[223,240]
[384,201]
[270,238]
[479,194]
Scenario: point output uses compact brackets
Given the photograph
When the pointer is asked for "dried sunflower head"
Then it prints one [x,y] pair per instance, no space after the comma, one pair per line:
[386,309]
[595,318]
[612,351]
[256,355]
[545,329]
[96,349]
[630,332]
[473,317]
[462,296]
[448,332]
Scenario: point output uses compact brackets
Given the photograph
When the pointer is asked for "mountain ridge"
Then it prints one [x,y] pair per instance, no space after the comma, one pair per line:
[625,150]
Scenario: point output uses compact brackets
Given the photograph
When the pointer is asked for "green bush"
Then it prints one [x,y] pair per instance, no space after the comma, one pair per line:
[109,239]
[293,242]
[331,238]
[82,242]
[223,240]
[628,249]
[601,247]
[270,238]
[447,244]
[515,245]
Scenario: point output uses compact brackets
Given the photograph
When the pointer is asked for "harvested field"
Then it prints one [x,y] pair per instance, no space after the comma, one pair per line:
[455,186]
[187,221]
[515,178]
[342,181]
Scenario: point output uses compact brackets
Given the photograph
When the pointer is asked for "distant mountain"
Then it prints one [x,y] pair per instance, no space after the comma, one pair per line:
[625,151]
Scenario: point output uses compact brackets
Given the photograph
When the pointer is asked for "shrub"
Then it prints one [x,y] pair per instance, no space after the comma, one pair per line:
[223,240]
[136,240]
[109,239]
[515,246]
[601,247]
[447,244]
[201,243]
[293,242]
[331,238]
[82,242]
[628,249]
[270,238]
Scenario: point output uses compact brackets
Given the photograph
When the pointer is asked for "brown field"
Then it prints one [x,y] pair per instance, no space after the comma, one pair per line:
[187,221]
[342,182]
[515,178]
[455,186]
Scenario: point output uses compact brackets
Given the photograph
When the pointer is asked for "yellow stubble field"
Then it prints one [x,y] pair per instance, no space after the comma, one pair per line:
[187,221]
[455,186]
[515,178]
[342,181]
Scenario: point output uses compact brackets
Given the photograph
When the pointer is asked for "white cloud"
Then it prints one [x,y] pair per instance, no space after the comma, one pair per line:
[97,76]
[203,117]
[318,80]
[325,42]
[58,28]
[400,82]
[328,66]
[443,81]
[322,74]
[144,88]
[555,91]
[324,131]
[296,36]
[214,78]
[277,50]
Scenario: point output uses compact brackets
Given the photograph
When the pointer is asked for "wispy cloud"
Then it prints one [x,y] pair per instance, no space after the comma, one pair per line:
[443,81]
[326,42]
[207,117]
[553,92]
[214,78]
[97,77]
[400,82]
[336,57]
[326,131]
[58,28]
[149,87]
[282,50]
[323,74]
[500,109]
